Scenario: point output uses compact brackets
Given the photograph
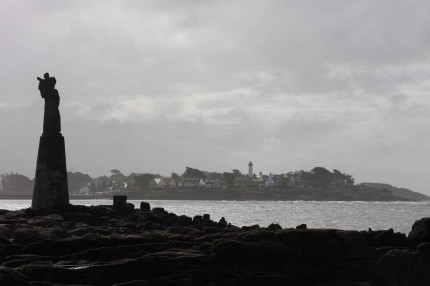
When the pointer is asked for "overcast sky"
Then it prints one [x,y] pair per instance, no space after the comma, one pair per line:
[154,86]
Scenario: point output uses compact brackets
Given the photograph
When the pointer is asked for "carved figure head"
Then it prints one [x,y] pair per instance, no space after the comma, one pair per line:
[46,75]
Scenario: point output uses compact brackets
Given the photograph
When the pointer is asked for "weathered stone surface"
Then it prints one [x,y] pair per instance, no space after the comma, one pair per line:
[51,187]
[420,232]
[104,246]
[390,238]
[10,276]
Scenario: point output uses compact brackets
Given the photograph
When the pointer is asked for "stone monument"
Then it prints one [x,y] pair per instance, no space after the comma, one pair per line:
[50,188]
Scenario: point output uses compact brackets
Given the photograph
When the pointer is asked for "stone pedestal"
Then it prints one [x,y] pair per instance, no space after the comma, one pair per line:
[51,188]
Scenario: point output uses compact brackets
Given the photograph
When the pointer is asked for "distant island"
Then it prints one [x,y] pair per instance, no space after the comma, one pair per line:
[317,184]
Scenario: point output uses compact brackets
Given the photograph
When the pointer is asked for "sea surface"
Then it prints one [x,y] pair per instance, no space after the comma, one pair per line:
[316,214]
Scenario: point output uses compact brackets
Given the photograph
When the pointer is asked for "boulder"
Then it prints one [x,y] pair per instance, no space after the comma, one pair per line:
[144,206]
[420,232]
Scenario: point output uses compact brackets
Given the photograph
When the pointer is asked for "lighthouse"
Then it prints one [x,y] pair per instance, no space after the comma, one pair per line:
[250,170]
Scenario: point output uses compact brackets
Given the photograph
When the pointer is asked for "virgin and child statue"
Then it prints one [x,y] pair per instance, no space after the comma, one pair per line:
[51,118]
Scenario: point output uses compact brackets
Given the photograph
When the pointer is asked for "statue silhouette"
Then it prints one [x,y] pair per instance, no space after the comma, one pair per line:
[51,118]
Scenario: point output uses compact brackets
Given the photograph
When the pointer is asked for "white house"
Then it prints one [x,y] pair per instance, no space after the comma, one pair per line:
[273,180]
[194,182]
[84,191]
[212,183]
[158,183]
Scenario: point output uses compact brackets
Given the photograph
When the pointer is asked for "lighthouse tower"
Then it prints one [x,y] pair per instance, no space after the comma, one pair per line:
[250,170]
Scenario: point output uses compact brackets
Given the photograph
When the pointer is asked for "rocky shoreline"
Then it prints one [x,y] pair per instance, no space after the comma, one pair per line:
[121,245]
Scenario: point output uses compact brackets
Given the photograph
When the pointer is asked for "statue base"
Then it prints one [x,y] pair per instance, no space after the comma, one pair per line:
[50,187]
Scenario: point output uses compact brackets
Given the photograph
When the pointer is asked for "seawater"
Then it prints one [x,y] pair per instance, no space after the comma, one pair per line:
[316,214]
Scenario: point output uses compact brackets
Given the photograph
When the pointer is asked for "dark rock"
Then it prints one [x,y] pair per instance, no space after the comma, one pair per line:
[62,247]
[101,253]
[29,235]
[145,206]
[290,238]
[82,231]
[313,238]
[251,227]
[423,250]
[4,240]
[206,216]
[222,221]
[355,245]
[86,218]
[7,231]
[197,218]
[420,232]
[39,270]
[238,255]
[259,235]
[13,249]
[183,230]
[119,202]
[274,226]
[302,226]
[389,238]
[10,276]
[45,220]
[210,230]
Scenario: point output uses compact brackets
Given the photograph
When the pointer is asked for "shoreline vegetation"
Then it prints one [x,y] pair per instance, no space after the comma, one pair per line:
[318,184]
[123,245]
[233,195]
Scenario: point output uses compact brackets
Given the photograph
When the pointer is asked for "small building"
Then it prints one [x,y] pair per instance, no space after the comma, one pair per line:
[194,182]
[157,183]
[241,181]
[212,183]
[85,191]
[273,180]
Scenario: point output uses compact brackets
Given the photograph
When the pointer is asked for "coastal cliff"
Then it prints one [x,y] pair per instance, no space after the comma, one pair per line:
[121,245]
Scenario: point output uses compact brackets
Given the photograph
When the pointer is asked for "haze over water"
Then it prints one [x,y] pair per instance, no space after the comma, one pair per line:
[316,214]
